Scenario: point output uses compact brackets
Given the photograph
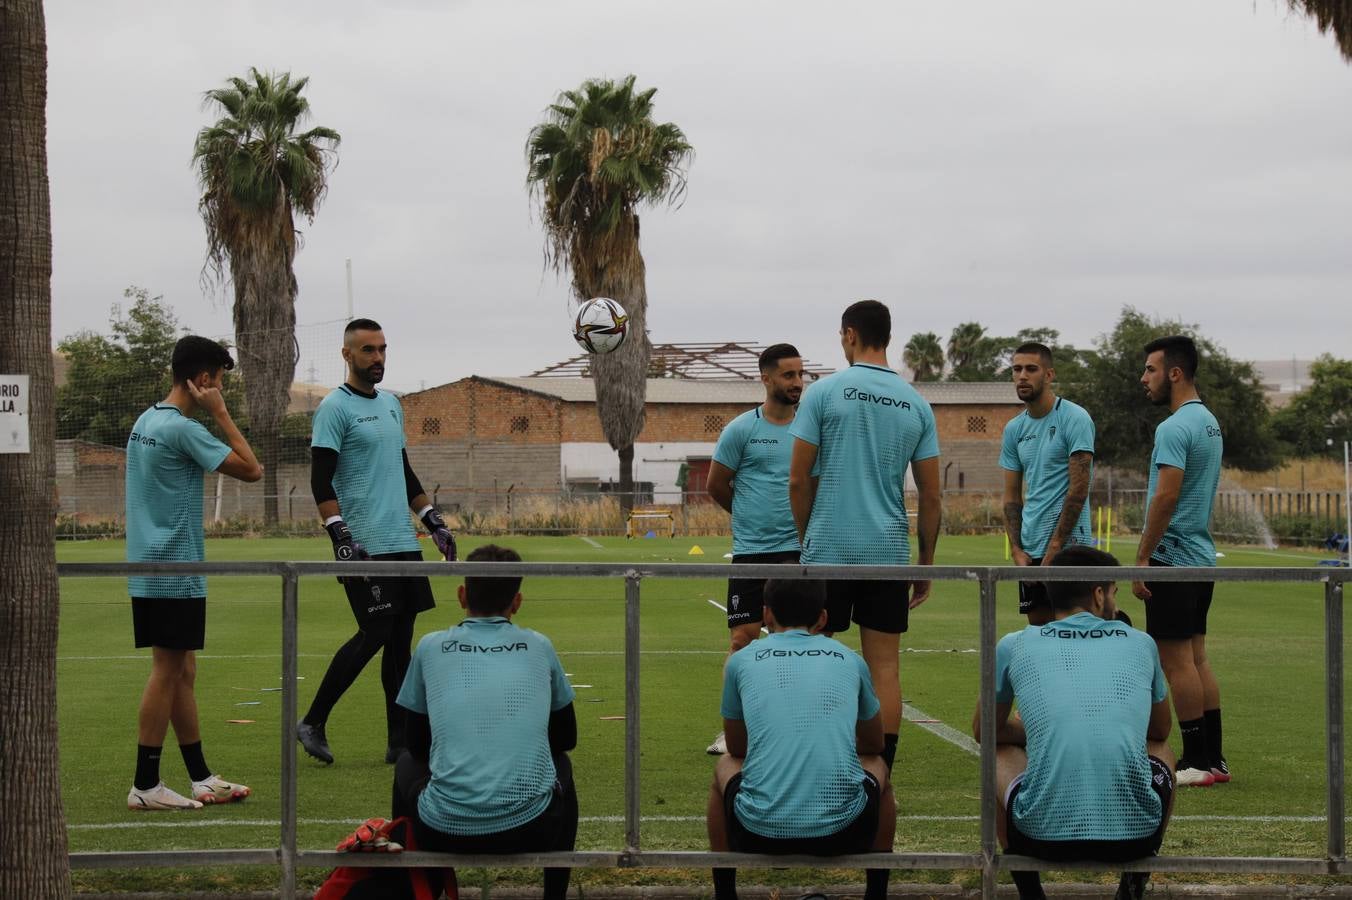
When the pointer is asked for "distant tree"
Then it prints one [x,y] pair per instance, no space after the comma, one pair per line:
[964,351]
[924,356]
[1330,15]
[1320,413]
[1125,420]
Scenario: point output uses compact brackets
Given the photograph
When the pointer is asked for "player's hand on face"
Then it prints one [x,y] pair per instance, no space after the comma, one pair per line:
[207,398]
[1020,558]
[1140,590]
[920,591]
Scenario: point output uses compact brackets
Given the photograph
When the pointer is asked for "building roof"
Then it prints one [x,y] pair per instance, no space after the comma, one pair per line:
[725,360]
[690,390]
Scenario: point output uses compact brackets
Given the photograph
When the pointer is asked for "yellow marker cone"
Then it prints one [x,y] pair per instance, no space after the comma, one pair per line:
[1006,545]
[696,551]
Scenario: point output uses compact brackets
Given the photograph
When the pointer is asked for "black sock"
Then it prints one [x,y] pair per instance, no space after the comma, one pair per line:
[1213,734]
[1195,753]
[889,749]
[725,884]
[876,883]
[1029,885]
[192,758]
[147,767]
[556,883]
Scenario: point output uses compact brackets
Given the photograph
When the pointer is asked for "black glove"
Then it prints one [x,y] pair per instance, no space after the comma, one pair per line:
[441,535]
[345,548]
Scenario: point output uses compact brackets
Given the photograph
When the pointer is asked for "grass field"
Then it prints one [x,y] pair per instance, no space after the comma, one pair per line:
[1266,644]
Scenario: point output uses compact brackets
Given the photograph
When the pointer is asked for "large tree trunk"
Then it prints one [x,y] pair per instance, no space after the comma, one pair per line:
[265,334]
[33,856]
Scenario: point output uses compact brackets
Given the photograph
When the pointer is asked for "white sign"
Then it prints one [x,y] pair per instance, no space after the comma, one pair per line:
[14,414]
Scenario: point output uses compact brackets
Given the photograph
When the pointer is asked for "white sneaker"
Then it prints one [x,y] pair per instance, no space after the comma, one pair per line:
[719,746]
[216,789]
[1194,778]
[159,797]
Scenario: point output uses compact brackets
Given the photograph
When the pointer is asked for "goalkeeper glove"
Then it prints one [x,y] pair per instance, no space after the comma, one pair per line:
[345,547]
[441,535]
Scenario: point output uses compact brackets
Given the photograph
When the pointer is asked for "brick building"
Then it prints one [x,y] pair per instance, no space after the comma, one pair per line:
[481,436]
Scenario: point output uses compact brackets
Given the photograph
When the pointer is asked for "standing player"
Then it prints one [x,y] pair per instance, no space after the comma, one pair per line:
[755,449]
[1047,453]
[360,473]
[855,433]
[1185,469]
[166,455]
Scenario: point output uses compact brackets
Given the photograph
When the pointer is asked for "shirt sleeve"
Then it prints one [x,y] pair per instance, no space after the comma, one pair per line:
[1171,445]
[205,448]
[560,691]
[413,692]
[868,700]
[327,428]
[1009,447]
[397,409]
[807,422]
[1004,658]
[731,443]
[928,445]
[732,700]
[1159,688]
[1079,433]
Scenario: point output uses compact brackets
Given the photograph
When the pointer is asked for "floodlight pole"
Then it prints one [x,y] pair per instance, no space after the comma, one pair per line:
[349,289]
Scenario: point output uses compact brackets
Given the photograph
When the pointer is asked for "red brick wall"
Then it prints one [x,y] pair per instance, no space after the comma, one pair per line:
[966,422]
[473,409]
[664,422]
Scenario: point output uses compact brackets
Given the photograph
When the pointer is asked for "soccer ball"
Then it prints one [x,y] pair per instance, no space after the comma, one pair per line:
[601,325]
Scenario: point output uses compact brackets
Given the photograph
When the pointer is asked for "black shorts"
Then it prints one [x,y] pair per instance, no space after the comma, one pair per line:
[372,598]
[1161,782]
[880,605]
[856,837]
[174,623]
[1177,610]
[746,595]
[1033,594]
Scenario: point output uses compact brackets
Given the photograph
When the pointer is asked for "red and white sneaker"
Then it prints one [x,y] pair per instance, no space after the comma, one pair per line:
[1187,776]
[159,797]
[1221,771]
[216,789]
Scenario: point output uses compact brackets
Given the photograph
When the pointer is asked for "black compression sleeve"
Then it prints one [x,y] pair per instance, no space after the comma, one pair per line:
[323,465]
[562,730]
[418,736]
[411,482]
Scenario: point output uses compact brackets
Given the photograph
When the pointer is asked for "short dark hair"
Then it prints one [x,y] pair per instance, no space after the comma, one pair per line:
[771,355]
[490,596]
[1180,351]
[1041,350]
[1072,594]
[194,355]
[361,325]
[871,320]
[795,603]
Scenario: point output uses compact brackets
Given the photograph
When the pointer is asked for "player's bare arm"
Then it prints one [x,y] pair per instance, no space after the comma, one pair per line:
[1081,467]
[1008,730]
[927,484]
[241,464]
[1161,721]
[1013,507]
[719,484]
[868,736]
[1161,511]
[802,486]
[734,731]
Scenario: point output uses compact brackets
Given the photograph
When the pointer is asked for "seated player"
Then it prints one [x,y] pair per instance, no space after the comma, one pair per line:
[490,723]
[1083,772]
[804,771]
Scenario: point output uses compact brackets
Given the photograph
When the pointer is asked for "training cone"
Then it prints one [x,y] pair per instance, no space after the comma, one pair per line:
[695,551]
[651,534]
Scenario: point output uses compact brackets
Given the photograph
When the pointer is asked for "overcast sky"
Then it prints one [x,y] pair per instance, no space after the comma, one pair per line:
[1015,163]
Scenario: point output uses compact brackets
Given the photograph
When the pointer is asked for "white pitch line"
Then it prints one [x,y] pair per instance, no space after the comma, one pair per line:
[183,820]
[590,542]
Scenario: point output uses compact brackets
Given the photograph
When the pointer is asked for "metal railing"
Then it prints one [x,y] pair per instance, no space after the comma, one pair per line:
[985,858]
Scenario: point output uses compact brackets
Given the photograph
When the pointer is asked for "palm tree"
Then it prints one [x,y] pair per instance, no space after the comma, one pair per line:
[964,348]
[924,356]
[256,172]
[1330,15]
[33,860]
[597,156]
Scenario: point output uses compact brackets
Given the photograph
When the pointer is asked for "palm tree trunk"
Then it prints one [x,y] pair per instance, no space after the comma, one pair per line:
[33,856]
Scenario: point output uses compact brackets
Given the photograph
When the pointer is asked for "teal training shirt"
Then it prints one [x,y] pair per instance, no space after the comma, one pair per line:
[1084,688]
[1190,440]
[1041,450]
[167,453]
[868,425]
[800,696]
[758,452]
[488,688]
[368,433]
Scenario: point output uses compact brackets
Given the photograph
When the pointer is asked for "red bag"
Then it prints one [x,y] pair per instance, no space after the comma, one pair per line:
[368,883]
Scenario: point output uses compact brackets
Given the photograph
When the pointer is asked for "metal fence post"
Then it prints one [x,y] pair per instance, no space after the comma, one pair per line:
[1333,663]
[631,713]
[289,628]
[988,806]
